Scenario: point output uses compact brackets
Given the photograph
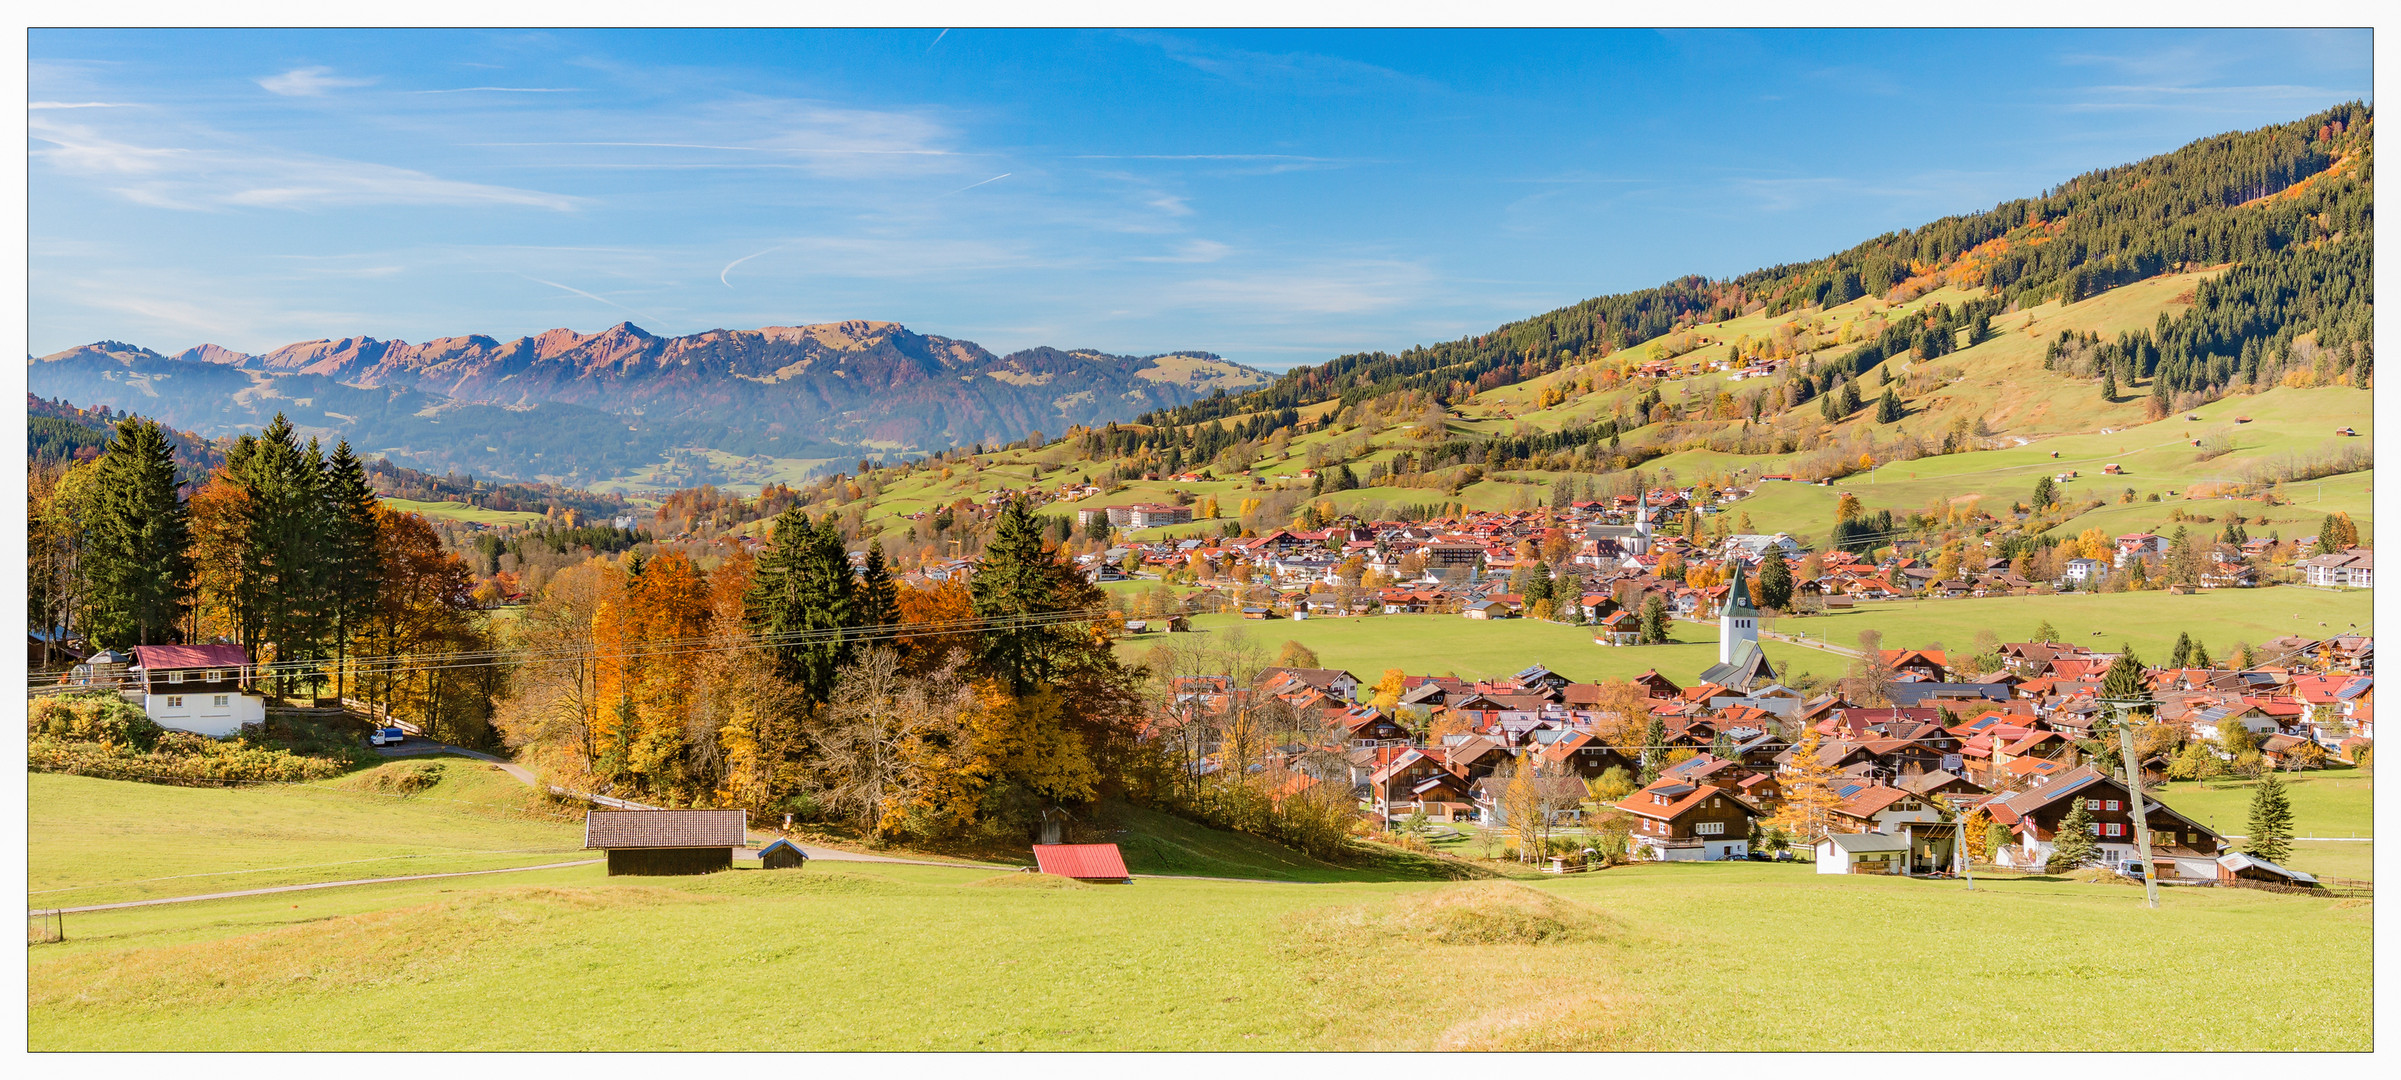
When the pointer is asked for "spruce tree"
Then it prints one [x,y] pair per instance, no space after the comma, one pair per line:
[353,559]
[1888,407]
[139,535]
[2271,824]
[1019,580]
[1653,629]
[2182,655]
[802,598]
[2072,846]
[879,596]
[2109,384]
[1775,581]
[1654,748]
[2124,680]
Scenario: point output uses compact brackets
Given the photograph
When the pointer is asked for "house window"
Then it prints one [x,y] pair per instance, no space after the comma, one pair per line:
[2115,829]
[2111,804]
[221,700]
[1710,828]
[175,677]
[2095,827]
[175,701]
[215,675]
[2092,804]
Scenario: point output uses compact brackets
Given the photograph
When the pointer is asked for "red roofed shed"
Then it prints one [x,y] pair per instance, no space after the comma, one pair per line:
[1083,862]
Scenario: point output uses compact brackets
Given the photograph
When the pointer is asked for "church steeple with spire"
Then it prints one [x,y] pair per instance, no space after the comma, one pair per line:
[1737,621]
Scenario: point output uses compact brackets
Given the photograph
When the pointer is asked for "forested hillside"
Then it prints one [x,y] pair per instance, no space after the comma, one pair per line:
[2236,266]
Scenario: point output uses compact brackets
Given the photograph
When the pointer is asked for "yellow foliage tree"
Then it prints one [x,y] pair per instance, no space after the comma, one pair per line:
[1388,689]
[1809,799]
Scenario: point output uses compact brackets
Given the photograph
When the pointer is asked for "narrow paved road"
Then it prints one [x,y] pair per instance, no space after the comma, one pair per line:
[321,885]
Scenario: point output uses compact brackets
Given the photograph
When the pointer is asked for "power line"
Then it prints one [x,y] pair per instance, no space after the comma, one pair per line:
[414,663]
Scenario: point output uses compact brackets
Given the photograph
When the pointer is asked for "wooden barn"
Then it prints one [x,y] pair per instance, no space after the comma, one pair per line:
[1096,863]
[782,855]
[667,842]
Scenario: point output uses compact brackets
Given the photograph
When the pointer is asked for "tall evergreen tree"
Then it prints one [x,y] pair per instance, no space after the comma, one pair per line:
[2271,824]
[1019,580]
[1888,407]
[138,560]
[802,599]
[283,599]
[1654,748]
[879,596]
[352,555]
[1775,581]
[2124,680]
[2182,656]
[1652,628]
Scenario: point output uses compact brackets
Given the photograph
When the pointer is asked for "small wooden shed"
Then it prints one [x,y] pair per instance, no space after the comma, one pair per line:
[782,855]
[1096,863]
[667,842]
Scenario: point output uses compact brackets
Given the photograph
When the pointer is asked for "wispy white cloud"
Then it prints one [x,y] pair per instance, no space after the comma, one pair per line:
[503,90]
[1190,251]
[80,105]
[1302,72]
[189,178]
[308,82]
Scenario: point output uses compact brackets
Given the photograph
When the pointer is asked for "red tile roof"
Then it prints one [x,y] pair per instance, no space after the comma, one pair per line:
[1082,861]
[165,657]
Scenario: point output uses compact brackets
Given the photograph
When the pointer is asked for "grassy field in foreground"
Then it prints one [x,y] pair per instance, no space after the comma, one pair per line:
[903,957]
[101,841]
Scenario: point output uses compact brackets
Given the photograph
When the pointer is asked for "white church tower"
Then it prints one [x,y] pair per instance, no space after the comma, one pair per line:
[1640,542]
[1737,621]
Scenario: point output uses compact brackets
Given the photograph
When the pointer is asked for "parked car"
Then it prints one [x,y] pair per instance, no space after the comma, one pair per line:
[390,736]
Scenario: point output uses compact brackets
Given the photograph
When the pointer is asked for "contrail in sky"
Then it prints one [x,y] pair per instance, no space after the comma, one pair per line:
[729,267]
[588,296]
[937,39]
[981,183]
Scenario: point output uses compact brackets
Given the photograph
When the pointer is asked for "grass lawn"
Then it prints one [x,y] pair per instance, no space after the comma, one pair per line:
[459,511]
[2332,802]
[101,841]
[2149,621]
[1471,649]
[1661,957]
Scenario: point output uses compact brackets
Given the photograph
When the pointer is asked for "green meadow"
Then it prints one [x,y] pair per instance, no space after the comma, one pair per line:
[1472,649]
[459,511]
[889,957]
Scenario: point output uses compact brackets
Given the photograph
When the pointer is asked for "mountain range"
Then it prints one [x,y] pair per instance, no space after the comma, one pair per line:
[629,408]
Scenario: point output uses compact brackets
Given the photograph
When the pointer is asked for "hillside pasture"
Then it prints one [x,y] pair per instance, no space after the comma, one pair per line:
[2149,621]
[459,511]
[1479,649]
[102,841]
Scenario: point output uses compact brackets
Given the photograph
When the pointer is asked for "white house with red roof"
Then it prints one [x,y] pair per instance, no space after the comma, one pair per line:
[203,689]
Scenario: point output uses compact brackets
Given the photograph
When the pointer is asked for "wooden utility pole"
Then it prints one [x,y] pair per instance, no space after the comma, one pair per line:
[2134,788]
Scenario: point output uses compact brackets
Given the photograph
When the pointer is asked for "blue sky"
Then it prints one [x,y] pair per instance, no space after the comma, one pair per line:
[1277,197]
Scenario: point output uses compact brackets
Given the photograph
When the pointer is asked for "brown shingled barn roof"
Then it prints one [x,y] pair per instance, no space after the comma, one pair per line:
[665,828]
